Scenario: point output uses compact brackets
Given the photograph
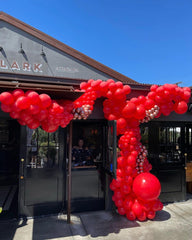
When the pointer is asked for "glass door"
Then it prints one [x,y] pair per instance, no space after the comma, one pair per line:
[41,172]
[166,145]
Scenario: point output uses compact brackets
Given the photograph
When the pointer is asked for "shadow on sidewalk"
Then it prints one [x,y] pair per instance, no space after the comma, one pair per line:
[99,224]
[95,224]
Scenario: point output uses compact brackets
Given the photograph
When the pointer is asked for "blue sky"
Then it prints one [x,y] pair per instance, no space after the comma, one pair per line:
[149,41]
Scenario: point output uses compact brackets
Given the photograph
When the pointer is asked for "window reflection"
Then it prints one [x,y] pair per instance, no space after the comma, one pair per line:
[170,144]
[87,146]
[42,148]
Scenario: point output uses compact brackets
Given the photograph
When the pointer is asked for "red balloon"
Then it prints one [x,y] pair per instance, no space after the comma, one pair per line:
[22,102]
[128,203]
[181,107]
[18,93]
[112,117]
[34,109]
[131,161]
[121,210]
[149,103]
[146,187]
[154,87]
[137,209]
[6,98]
[140,112]
[186,95]
[121,162]
[151,214]
[142,216]
[33,96]
[119,94]
[126,189]
[151,95]
[121,123]
[129,110]
[14,115]
[6,108]
[126,89]
[42,115]
[34,124]
[45,100]
[131,215]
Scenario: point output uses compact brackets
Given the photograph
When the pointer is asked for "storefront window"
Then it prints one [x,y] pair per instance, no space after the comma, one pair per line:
[169,144]
[87,145]
[42,149]
[188,143]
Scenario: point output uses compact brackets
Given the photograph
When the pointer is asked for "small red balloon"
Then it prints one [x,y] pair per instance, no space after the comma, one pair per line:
[45,100]
[6,98]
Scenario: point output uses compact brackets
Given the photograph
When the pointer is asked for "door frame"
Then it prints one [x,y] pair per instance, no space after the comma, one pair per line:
[49,208]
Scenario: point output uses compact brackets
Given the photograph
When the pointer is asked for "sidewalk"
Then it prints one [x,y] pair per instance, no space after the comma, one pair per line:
[174,222]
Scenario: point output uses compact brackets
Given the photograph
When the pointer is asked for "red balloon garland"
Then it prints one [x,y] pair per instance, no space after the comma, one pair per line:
[136,191]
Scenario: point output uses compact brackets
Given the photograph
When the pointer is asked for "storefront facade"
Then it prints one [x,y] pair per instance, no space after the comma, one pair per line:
[34,164]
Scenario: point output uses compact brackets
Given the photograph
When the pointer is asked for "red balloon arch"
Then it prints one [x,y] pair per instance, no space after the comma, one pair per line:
[136,191]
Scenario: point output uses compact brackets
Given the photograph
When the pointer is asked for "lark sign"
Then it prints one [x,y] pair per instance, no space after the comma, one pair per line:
[25,66]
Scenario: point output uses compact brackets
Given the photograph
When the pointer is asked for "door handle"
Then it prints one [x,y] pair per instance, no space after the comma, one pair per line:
[22,168]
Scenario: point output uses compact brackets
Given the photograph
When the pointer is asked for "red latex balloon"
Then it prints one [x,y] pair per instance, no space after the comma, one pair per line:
[22,102]
[6,108]
[33,96]
[131,161]
[45,100]
[140,112]
[14,115]
[121,123]
[181,107]
[119,94]
[121,162]
[34,124]
[129,110]
[151,214]
[131,215]
[137,209]
[34,109]
[126,89]
[146,187]
[6,98]
[18,93]
[121,211]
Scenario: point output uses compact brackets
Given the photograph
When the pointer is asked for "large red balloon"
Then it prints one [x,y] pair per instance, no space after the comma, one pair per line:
[146,187]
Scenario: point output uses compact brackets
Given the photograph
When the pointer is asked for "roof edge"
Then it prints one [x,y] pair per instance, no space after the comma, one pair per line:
[65,48]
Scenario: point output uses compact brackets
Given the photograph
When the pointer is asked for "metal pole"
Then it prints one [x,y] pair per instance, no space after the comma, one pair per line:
[69,175]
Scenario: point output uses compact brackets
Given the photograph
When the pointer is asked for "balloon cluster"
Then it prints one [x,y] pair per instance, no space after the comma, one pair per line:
[131,164]
[169,97]
[82,112]
[136,191]
[150,114]
[34,110]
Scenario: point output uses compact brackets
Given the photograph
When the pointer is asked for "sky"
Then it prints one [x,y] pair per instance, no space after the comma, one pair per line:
[149,41]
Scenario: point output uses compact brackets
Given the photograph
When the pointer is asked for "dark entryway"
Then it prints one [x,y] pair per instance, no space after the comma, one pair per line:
[90,164]
[9,167]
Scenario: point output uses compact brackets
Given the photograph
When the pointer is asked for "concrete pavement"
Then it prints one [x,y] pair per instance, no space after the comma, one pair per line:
[174,222]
